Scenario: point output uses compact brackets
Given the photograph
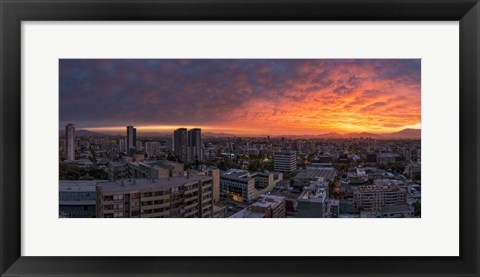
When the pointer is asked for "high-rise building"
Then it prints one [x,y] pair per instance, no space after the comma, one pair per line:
[195,150]
[122,145]
[71,141]
[131,140]
[187,145]
[285,161]
[180,144]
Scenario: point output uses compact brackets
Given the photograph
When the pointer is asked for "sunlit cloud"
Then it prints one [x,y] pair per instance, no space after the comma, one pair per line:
[244,97]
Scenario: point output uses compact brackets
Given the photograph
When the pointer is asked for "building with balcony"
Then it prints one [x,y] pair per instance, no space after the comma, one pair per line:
[376,197]
[174,197]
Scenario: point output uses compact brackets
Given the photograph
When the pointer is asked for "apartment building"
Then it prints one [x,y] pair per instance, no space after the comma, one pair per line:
[376,197]
[174,197]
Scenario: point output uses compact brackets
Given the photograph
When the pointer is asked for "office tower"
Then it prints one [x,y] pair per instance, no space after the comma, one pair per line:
[180,144]
[195,145]
[131,140]
[170,197]
[70,137]
[285,161]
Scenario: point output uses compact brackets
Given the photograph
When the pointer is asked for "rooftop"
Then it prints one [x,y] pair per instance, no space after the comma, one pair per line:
[395,209]
[245,213]
[327,173]
[378,188]
[387,182]
[266,201]
[147,184]
[79,186]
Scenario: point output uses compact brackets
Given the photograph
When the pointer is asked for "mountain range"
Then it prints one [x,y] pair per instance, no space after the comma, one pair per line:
[403,134]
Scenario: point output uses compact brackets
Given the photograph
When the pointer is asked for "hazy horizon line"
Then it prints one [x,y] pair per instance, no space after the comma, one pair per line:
[206,131]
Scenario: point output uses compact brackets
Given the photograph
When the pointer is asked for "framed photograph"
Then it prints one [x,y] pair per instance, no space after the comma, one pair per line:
[240,138]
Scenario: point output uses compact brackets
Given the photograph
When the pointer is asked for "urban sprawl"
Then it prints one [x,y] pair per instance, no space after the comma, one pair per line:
[186,174]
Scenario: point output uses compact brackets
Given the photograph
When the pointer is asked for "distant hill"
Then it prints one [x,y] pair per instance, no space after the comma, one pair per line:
[406,134]
[403,134]
[86,133]
[362,135]
[223,135]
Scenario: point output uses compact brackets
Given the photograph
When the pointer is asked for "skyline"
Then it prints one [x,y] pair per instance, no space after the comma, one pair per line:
[242,97]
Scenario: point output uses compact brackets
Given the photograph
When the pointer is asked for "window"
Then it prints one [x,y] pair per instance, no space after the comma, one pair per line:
[108,198]
[135,213]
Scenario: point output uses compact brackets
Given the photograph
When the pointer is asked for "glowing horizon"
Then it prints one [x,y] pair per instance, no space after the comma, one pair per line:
[242,97]
[215,129]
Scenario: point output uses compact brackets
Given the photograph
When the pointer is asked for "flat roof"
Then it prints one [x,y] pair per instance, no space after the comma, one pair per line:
[393,209]
[77,203]
[78,186]
[327,173]
[147,184]
[379,188]
[245,213]
[237,177]
[266,200]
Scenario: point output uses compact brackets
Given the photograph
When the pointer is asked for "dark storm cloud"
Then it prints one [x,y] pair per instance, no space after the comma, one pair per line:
[96,93]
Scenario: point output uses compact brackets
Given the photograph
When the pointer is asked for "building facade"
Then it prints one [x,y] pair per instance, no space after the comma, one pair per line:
[273,206]
[195,149]
[376,197]
[180,144]
[174,197]
[131,140]
[70,142]
[153,148]
[313,201]
[237,186]
[77,198]
[187,145]
[285,161]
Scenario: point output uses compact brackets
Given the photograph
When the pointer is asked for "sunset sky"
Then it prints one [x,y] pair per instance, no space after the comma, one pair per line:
[241,97]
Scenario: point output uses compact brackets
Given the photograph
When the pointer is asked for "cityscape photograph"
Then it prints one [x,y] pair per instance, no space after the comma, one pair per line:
[239,138]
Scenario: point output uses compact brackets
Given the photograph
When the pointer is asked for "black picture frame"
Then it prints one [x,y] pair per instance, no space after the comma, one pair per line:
[13,12]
